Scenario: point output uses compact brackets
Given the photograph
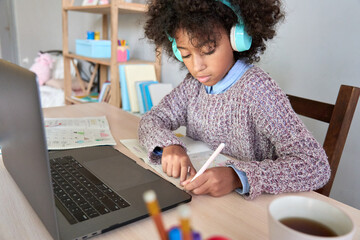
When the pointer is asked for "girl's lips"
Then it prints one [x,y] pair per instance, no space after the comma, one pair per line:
[203,79]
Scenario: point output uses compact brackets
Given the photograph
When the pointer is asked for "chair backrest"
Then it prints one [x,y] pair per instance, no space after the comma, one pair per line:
[339,117]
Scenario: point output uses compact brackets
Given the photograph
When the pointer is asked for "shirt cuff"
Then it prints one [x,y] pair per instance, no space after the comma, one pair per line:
[158,151]
[244,181]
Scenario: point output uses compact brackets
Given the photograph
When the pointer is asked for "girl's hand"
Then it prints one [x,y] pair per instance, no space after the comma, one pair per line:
[217,181]
[175,162]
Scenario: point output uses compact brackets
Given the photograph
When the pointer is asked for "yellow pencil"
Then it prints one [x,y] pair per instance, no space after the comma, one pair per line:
[184,213]
[154,211]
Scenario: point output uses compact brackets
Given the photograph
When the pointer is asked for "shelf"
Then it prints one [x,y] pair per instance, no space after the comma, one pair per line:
[136,61]
[106,61]
[105,9]
[108,68]
[102,61]
[132,8]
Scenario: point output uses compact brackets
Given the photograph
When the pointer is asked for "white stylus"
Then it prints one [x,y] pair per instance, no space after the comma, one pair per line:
[208,162]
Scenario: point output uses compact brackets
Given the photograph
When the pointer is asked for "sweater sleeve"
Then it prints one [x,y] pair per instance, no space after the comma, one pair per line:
[301,163]
[156,126]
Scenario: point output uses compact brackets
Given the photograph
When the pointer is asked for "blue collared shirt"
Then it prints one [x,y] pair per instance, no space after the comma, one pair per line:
[235,73]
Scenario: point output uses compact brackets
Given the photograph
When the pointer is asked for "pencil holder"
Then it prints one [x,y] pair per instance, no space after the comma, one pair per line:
[123,54]
[175,234]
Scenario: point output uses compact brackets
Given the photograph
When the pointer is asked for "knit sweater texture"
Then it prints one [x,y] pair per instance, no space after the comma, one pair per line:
[256,122]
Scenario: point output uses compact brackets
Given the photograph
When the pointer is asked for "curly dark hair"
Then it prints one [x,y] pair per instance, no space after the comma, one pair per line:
[199,18]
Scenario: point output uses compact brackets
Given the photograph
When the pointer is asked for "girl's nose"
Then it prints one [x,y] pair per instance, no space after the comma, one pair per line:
[198,63]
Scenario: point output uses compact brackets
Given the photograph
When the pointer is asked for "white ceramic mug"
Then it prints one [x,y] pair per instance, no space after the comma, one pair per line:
[308,208]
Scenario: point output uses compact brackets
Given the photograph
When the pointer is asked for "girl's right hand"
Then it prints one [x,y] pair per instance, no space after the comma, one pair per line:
[175,162]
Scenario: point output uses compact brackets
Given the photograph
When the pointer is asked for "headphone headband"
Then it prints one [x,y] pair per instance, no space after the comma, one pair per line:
[235,9]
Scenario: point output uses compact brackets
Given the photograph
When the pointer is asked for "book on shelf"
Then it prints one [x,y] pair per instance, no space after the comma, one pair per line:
[123,89]
[140,90]
[133,74]
[148,101]
[107,96]
[140,97]
[144,103]
[105,91]
[159,91]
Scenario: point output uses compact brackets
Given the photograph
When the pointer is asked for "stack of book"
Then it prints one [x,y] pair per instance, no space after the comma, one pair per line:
[140,90]
[104,95]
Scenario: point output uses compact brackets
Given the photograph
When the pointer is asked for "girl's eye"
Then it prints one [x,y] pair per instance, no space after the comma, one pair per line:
[209,52]
[186,56]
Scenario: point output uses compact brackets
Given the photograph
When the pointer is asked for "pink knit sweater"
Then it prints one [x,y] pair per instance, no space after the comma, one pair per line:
[257,124]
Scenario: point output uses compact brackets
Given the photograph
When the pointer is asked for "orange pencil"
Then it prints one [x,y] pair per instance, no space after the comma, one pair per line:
[184,213]
[154,211]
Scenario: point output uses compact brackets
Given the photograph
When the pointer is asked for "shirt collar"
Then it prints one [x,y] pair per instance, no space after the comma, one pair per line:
[235,73]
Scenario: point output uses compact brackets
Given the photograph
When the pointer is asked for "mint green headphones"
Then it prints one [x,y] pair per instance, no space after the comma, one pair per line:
[239,39]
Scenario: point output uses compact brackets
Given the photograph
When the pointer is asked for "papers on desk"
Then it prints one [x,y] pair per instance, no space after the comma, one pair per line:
[69,133]
[198,153]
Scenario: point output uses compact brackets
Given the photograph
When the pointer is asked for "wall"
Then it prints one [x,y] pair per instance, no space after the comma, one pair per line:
[8,41]
[316,50]
[39,27]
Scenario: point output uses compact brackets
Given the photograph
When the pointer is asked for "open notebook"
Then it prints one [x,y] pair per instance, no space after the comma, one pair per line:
[198,153]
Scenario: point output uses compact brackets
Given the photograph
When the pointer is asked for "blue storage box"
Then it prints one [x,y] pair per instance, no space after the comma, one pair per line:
[93,48]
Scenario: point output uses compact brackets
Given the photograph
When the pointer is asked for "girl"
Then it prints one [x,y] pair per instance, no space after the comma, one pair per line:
[224,98]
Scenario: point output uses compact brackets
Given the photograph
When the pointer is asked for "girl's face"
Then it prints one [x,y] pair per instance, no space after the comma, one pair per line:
[208,64]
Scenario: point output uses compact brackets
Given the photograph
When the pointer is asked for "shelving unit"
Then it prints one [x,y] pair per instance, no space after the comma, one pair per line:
[110,11]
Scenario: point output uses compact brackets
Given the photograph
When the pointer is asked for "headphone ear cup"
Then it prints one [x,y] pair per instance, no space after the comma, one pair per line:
[240,40]
[176,51]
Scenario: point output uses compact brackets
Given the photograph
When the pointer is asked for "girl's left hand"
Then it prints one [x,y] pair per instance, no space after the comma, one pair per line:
[217,181]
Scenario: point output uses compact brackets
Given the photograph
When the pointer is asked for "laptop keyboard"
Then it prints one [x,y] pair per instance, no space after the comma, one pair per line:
[79,194]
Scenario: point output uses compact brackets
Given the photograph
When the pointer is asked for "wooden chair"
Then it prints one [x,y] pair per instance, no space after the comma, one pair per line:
[339,117]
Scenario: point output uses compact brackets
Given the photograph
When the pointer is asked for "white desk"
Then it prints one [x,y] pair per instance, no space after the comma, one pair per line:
[230,216]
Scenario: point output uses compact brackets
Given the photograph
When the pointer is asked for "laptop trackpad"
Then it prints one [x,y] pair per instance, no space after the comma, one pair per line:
[120,173]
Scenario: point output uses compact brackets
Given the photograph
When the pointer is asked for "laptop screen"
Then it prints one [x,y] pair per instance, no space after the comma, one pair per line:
[23,141]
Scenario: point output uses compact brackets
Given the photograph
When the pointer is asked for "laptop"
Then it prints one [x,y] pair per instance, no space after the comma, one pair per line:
[77,193]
